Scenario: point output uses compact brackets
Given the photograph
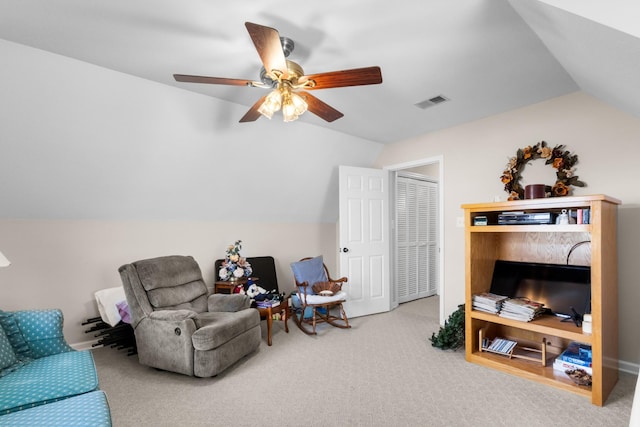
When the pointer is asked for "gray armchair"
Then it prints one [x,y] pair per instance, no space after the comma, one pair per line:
[178,326]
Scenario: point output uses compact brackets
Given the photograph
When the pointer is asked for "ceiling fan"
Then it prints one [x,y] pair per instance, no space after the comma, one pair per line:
[288,81]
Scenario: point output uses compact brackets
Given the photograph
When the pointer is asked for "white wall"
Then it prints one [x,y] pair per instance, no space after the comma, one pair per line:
[61,263]
[99,168]
[475,154]
[78,141]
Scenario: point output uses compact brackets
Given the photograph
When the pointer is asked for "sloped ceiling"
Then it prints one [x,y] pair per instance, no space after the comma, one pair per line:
[485,56]
[603,60]
[479,54]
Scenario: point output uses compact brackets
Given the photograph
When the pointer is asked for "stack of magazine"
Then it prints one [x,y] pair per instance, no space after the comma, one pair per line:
[501,345]
[488,302]
[267,303]
[521,309]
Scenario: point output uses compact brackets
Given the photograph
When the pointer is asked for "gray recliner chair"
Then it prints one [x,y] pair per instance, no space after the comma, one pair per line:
[179,327]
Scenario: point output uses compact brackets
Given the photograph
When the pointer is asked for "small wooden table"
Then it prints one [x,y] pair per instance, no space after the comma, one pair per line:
[268,312]
[227,285]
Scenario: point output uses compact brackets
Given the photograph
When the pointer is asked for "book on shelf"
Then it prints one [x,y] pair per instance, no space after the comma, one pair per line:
[578,354]
[562,366]
[583,216]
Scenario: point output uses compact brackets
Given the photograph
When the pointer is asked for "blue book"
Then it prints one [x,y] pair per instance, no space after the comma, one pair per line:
[578,354]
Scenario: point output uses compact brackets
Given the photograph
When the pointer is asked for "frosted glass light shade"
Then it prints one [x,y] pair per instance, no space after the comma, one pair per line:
[271,104]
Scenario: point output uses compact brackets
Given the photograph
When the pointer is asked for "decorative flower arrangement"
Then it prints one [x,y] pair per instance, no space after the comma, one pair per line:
[234,266]
[561,160]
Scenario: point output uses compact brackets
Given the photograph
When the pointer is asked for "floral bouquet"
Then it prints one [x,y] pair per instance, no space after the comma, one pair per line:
[234,266]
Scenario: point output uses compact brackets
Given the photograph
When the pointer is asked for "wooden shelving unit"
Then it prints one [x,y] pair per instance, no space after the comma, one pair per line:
[484,244]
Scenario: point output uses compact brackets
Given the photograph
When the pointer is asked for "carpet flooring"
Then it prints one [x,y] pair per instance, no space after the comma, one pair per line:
[382,372]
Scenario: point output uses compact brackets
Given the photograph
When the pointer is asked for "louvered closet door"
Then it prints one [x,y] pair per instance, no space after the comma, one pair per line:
[416,239]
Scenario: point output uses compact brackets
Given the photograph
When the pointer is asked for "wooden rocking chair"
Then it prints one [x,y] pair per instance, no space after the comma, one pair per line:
[317,296]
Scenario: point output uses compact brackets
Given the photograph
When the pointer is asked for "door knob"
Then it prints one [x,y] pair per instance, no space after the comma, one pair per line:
[345,250]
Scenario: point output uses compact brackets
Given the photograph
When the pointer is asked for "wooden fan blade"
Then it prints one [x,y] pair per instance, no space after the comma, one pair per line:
[212,80]
[344,78]
[269,47]
[253,114]
[319,108]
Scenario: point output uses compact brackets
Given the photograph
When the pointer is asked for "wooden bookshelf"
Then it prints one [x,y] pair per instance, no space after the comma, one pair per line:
[549,243]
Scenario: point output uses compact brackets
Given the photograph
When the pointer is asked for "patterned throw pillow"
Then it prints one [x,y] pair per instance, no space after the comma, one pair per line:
[7,356]
[42,331]
[19,344]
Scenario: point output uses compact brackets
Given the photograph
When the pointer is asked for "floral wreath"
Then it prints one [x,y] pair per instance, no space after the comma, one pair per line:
[560,159]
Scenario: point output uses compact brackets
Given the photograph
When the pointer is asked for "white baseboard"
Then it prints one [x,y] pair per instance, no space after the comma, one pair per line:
[628,367]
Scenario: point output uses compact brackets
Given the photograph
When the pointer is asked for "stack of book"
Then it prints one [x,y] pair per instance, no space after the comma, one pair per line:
[576,356]
[267,303]
[522,309]
[488,302]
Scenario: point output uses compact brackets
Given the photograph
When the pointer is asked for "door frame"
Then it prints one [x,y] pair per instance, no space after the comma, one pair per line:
[412,164]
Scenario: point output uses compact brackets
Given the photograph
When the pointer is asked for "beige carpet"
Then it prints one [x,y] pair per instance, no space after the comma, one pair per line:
[382,372]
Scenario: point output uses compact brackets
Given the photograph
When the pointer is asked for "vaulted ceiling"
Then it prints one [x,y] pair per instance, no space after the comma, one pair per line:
[484,56]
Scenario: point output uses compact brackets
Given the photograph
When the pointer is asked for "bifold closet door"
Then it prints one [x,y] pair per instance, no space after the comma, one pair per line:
[416,238]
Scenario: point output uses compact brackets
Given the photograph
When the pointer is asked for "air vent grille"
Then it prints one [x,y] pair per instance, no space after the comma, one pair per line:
[439,99]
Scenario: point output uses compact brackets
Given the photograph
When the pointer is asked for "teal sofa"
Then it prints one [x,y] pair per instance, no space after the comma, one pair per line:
[43,381]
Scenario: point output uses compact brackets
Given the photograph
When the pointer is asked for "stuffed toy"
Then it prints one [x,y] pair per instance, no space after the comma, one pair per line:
[254,291]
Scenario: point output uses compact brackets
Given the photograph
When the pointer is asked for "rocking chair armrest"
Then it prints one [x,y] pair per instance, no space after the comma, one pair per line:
[303,286]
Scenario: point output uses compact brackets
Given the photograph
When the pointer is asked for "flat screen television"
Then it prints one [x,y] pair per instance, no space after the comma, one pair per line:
[559,287]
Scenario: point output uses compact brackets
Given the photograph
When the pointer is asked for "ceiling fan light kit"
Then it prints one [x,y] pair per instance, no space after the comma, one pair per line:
[288,81]
[284,97]
[291,103]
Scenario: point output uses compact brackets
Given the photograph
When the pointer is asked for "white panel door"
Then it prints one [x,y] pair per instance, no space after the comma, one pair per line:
[364,239]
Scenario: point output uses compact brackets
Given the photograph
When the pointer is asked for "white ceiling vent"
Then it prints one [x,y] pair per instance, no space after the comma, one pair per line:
[432,101]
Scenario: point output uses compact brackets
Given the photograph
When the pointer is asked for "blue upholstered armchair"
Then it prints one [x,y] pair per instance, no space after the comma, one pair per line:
[178,326]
